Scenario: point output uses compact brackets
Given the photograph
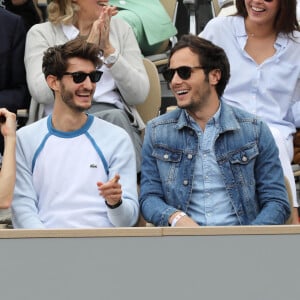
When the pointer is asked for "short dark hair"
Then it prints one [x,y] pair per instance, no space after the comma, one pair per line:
[55,60]
[286,19]
[210,56]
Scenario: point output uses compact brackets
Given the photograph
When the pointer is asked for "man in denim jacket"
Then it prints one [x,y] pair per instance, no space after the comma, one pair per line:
[207,163]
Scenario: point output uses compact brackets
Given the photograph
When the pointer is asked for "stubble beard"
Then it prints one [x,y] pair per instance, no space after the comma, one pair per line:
[197,104]
[68,98]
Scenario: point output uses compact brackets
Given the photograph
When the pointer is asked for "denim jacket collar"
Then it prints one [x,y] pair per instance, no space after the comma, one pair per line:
[228,121]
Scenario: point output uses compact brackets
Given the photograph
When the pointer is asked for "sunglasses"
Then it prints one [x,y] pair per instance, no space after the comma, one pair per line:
[79,77]
[183,72]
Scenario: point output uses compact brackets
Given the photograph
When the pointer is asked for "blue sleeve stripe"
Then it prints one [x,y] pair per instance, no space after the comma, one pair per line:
[105,164]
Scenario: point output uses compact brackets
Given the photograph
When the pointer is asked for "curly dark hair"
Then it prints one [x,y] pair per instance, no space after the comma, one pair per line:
[55,60]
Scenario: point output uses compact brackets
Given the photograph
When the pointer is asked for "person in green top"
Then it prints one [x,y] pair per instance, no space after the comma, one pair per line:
[149,20]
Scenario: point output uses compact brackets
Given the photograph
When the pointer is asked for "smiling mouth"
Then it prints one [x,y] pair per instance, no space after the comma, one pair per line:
[181,92]
[257,9]
[84,94]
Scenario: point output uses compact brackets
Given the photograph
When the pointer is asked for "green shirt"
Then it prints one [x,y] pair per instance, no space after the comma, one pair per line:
[149,20]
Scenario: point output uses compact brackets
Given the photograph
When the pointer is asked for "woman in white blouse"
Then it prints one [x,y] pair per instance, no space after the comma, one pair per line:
[262,42]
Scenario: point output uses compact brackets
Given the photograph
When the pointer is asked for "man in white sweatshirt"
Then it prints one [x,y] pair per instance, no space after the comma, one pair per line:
[74,170]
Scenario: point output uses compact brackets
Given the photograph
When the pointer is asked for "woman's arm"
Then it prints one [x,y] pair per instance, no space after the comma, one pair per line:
[39,38]
[8,169]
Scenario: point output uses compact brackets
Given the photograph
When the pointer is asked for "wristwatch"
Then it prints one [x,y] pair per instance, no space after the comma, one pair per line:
[113,206]
[111,59]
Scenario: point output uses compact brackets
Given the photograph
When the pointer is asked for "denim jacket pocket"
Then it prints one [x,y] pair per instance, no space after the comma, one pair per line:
[242,165]
[168,161]
[167,155]
[245,155]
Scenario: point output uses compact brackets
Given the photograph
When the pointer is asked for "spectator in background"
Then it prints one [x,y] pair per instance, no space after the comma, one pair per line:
[73,169]
[207,163]
[262,42]
[27,9]
[124,82]
[14,94]
[8,163]
[150,22]
[182,21]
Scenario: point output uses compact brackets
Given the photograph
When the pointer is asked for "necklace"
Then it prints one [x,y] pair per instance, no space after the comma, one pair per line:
[250,34]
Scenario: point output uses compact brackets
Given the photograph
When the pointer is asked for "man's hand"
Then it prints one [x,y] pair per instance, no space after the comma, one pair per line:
[111,191]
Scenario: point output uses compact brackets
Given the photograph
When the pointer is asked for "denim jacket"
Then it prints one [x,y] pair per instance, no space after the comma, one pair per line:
[246,154]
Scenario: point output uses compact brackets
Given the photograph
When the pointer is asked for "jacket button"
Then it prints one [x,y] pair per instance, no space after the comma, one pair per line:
[166,156]
[190,156]
[185,182]
[244,158]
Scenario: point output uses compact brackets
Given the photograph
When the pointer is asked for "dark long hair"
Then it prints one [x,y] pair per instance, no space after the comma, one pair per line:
[286,19]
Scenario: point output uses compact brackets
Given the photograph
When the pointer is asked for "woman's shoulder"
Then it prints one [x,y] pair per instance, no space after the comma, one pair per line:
[221,24]
[45,28]
[221,21]
[221,30]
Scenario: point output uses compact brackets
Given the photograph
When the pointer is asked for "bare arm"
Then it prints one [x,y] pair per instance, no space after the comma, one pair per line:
[18,2]
[8,170]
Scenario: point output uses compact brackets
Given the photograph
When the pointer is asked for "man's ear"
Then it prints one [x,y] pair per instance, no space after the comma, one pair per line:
[53,82]
[214,76]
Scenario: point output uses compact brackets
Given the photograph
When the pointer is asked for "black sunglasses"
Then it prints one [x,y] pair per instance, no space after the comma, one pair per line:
[79,77]
[183,72]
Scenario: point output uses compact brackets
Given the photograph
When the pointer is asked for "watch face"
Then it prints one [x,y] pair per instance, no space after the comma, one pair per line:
[111,59]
